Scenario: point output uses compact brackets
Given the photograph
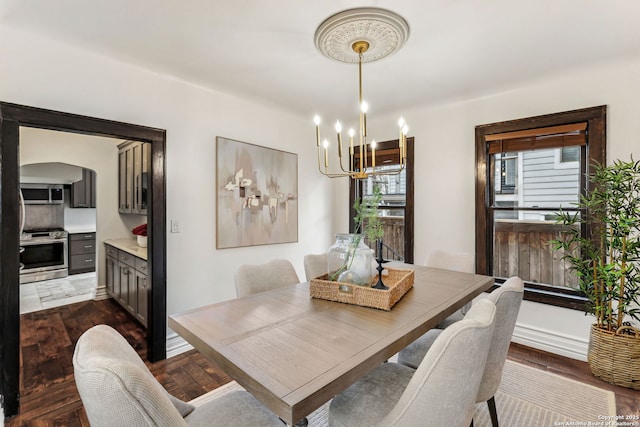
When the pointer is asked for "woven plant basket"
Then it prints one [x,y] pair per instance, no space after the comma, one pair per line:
[615,357]
[398,281]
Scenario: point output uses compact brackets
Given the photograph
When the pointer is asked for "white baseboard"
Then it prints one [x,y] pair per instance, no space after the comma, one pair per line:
[101,293]
[176,345]
[552,342]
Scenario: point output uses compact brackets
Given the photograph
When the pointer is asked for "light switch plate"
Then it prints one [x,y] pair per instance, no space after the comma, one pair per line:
[175,226]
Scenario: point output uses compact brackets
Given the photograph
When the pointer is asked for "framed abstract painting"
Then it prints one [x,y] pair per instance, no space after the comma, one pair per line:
[256,195]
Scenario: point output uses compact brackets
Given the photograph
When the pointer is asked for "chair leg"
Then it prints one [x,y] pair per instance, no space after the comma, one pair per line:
[492,411]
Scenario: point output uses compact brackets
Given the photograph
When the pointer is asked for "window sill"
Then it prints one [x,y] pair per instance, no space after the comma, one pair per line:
[564,298]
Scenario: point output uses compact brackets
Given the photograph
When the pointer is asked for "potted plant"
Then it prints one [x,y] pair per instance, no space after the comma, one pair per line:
[607,261]
[350,259]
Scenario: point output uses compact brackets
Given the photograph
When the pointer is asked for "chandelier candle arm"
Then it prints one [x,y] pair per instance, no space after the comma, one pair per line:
[316,120]
[373,153]
[339,130]
[351,133]
[325,143]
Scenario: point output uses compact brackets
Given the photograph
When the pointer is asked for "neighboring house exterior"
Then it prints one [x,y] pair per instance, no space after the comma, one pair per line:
[537,179]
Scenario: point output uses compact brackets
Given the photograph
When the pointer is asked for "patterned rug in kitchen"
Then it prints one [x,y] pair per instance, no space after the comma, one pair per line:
[67,287]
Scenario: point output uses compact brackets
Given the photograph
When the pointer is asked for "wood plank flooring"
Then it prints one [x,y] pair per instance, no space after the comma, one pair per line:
[49,396]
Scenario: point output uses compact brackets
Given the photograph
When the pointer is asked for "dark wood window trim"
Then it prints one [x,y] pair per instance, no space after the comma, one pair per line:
[390,148]
[12,116]
[595,118]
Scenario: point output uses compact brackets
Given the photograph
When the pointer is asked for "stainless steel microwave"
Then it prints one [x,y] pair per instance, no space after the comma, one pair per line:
[42,194]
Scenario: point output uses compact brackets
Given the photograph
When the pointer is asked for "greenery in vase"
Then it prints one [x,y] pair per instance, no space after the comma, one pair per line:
[367,224]
[607,265]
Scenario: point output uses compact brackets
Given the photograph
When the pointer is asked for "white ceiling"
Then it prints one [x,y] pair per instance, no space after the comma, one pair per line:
[456,49]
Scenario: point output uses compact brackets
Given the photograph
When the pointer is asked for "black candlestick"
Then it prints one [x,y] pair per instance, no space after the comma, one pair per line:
[380,268]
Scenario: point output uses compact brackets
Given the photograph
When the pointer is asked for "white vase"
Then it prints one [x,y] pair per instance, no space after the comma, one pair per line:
[142,241]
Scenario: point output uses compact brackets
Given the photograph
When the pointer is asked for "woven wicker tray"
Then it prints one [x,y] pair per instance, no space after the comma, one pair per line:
[398,281]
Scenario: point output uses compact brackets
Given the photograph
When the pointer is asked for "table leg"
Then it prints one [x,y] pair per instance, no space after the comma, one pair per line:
[302,423]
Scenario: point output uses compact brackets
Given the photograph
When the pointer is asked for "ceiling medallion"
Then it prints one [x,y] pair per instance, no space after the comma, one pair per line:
[385,31]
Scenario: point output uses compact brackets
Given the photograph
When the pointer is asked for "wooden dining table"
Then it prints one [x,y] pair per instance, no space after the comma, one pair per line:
[294,352]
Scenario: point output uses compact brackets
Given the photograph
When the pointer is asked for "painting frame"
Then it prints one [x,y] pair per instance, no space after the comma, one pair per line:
[256,195]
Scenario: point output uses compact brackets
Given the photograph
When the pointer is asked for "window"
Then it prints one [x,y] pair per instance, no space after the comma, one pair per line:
[569,154]
[507,171]
[396,208]
[532,168]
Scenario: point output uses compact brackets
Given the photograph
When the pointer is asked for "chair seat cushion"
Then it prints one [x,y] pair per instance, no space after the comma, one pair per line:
[369,400]
[237,408]
[413,354]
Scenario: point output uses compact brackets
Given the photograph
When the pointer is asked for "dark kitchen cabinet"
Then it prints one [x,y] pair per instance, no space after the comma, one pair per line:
[133,177]
[82,253]
[142,291]
[83,192]
[113,273]
[128,282]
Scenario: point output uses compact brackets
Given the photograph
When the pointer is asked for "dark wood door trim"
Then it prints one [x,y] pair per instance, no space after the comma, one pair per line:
[12,116]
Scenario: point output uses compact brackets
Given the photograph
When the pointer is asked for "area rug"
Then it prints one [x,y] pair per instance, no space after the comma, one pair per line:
[527,397]
[58,289]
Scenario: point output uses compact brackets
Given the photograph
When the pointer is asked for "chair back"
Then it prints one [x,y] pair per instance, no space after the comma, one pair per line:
[315,265]
[254,278]
[455,261]
[443,390]
[116,387]
[507,299]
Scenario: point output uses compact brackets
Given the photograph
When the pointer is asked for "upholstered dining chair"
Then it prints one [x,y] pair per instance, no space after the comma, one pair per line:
[507,299]
[315,265]
[117,389]
[456,261]
[441,392]
[254,278]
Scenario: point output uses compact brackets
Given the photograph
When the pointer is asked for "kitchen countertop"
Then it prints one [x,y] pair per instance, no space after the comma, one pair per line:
[80,229]
[129,246]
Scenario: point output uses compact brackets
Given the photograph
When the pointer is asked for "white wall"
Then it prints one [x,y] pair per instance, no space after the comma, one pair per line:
[444,182]
[42,73]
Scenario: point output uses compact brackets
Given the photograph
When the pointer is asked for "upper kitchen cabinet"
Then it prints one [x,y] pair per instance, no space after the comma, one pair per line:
[83,192]
[133,163]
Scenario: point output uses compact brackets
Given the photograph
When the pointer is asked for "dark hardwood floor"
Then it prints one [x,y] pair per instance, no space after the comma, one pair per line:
[49,396]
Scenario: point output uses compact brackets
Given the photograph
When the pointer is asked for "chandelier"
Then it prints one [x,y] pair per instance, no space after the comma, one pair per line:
[357,36]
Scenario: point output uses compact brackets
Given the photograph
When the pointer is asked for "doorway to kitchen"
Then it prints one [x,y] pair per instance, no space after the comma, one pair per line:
[12,118]
[58,245]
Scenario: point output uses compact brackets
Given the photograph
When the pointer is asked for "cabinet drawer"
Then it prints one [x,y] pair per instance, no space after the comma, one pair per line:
[82,261]
[141,265]
[111,251]
[126,258]
[83,247]
[82,236]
